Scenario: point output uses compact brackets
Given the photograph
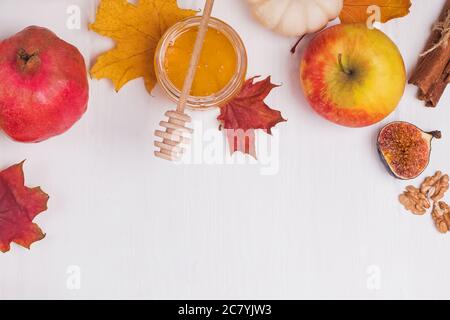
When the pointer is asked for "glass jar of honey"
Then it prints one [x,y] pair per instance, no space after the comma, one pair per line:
[221,70]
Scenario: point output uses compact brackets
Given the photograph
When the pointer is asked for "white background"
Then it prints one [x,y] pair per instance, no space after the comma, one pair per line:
[327,225]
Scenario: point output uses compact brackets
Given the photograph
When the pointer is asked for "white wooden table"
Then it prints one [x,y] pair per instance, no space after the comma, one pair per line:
[324,224]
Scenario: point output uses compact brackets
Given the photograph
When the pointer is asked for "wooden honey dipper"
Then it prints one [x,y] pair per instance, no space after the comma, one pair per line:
[175,134]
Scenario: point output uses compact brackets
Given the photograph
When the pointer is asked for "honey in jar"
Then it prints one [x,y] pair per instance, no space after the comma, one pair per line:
[222,66]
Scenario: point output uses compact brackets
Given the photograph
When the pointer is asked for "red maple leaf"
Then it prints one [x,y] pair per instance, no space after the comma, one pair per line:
[19,205]
[248,112]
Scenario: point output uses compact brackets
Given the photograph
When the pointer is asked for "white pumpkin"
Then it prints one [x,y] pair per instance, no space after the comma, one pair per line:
[295,17]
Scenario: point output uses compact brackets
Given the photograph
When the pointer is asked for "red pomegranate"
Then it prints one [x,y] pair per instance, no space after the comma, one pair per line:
[43,85]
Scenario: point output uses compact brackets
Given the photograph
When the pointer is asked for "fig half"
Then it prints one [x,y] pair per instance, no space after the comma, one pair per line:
[405,149]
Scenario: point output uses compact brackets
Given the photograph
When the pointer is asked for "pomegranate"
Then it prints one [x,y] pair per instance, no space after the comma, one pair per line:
[43,85]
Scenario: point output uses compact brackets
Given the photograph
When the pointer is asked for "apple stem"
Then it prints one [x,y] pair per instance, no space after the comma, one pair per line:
[341,65]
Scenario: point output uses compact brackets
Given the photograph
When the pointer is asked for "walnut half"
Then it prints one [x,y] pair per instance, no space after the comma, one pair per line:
[415,201]
[435,186]
[441,216]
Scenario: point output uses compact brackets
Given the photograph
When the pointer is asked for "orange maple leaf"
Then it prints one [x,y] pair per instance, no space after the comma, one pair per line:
[356,11]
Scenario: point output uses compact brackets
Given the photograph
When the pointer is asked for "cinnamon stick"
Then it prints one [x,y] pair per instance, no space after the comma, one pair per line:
[432,73]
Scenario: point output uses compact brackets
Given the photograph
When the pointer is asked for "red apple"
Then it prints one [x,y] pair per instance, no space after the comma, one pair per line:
[44,88]
[352,75]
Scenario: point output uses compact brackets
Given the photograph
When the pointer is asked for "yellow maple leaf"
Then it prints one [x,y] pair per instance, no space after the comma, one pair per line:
[136,29]
[355,11]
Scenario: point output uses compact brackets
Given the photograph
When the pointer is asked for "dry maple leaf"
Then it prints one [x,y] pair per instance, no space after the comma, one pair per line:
[19,205]
[247,112]
[136,29]
[355,11]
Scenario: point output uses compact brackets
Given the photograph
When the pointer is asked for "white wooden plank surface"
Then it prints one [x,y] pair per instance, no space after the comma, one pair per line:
[326,225]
